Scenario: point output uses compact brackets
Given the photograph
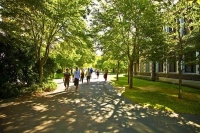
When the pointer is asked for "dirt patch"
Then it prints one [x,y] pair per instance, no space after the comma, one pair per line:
[149,88]
[191,96]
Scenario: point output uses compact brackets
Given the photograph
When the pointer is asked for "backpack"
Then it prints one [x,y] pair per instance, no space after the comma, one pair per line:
[91,70]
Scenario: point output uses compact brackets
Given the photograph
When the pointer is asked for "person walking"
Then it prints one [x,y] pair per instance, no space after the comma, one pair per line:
[82,75]
[97,72]
[76,78]
[66,79]
[91,71]
[105,75]
[88,74]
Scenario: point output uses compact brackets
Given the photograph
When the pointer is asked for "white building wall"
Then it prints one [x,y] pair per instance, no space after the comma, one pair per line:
[197,66]
[150,67]
[156,67]
[165,67]
[177,67]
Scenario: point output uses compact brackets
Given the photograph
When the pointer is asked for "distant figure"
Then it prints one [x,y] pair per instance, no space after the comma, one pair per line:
[82,75]
[88,75]
[76,78]
[91,71]
[105,75]
[66,79]
[97,72]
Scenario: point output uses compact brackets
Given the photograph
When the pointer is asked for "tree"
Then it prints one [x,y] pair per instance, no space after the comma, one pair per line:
[194,28]
[124,20]
[154,44]
[16,61]
[45,24]
[178,20]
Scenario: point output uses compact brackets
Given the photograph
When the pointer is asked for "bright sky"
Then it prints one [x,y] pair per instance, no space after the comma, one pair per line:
[98,52]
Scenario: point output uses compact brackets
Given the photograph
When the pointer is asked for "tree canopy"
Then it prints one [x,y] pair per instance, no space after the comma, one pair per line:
[46,24]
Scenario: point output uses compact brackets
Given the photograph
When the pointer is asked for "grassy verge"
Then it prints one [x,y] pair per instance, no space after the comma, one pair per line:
[58,75]
[161,96]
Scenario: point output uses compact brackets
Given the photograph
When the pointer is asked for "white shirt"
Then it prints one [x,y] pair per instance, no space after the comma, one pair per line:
[76,74]
[88,73]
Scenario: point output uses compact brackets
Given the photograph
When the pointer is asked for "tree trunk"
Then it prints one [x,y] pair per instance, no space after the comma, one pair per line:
[40,72]
[131,75]
[180,80]
[153,75]
[72,71]
[199,63]
[63,68]
[135,69]
[117,70]
[128,73]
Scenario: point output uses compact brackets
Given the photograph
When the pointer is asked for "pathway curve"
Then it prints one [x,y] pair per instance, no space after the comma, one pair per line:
[96,108]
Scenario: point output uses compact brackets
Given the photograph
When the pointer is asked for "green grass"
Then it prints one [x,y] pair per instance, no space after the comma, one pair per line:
[58,75]
[160,95]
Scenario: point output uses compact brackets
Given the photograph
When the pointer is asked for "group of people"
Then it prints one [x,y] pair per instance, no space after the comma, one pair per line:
[77,75]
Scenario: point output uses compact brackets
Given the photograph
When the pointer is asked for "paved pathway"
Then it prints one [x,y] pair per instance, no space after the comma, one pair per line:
[96,108]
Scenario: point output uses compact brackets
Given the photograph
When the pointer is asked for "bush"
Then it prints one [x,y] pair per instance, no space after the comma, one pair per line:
[16,64]
[34,88]
[50,68]
[49,86]
[14,90]
[9,90]
[59,71]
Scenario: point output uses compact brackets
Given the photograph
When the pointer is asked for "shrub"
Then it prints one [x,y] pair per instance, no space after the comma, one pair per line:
[13,90]
[59,71]
[50,68]
[9,90]
[49,86]
[34,88]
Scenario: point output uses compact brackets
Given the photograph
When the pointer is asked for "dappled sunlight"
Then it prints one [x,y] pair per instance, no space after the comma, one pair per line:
[95,108]
[2,115]
[163,108]
[193,124]
[70,120]
[40,107]
[41,127]
[120,90]
[77,101]
[14,103]
[174,115]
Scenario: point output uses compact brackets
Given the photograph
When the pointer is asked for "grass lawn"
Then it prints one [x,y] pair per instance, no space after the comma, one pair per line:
[58,75]
[160,95]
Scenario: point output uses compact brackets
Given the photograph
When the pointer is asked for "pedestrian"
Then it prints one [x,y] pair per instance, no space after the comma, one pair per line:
[76,78]
[66,79]
[82,75]
[91,71]
[97,72]
[88,74]
[105,75]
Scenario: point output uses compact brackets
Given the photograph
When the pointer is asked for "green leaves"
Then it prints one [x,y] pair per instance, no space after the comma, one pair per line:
[46,24]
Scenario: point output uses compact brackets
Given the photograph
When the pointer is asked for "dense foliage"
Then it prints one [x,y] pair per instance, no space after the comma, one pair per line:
[37,38]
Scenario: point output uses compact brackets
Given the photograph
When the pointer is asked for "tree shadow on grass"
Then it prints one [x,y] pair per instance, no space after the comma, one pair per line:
[97,107]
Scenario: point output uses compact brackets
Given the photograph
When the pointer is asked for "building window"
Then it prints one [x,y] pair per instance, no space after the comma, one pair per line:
[172,67]
[190,67]
[141,67]
[147,67]
[160,67]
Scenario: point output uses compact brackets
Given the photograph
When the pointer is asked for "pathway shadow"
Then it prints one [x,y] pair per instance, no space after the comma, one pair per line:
[97,107]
